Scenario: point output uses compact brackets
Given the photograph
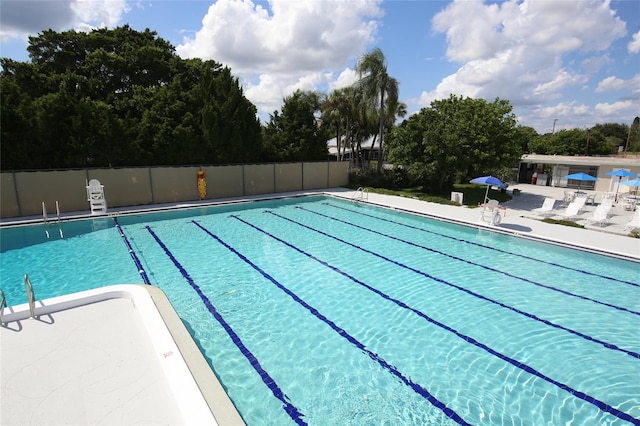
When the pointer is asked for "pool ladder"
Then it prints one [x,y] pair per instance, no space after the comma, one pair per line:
[361,193]
[45,218]
[3,304]
[31,298]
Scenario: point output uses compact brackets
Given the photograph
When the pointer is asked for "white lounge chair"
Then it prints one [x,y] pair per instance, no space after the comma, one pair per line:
[547,207]
[627,203]
[601,214]
[491,212]
[95,197]
[634,223]
[573,209]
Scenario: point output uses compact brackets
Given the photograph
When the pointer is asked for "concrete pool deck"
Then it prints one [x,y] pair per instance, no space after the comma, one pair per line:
[119,372]
[117,355]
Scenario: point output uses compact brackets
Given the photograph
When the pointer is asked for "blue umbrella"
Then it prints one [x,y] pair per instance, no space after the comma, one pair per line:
[633,182]
[621,173]
[580,177]
[489,181]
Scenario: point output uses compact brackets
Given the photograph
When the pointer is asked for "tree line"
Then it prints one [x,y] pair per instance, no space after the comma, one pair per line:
[120,97]
[114,98]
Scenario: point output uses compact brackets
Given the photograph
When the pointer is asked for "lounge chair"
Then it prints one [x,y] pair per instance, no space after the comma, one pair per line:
[491,212]
[634,223]
[547,207]
[573,209]
[601,214]
[568,197]
[627,203]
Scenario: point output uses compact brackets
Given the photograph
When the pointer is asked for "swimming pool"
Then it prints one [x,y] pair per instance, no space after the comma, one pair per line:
[322,311]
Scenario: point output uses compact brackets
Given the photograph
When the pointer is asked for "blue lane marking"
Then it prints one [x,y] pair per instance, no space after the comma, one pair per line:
[578,394]
[290,409]
[488,268]
[414,386]
[132,253]
[480,296]
[485,246]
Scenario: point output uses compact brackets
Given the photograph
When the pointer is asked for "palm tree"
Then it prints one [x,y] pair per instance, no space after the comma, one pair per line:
[336,111]
[378,88]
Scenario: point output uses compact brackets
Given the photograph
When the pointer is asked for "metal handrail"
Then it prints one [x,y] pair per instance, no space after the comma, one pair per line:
[45,219]
[59,222]
[360,194]
[30,295]
[3,304]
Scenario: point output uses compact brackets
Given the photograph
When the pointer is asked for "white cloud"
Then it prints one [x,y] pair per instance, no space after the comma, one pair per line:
[347,77]
[525,51]
[99,13]
[593,64]
[613,83]
[568,115]
[21,18]
[613,110]
[292,45]
[634,44]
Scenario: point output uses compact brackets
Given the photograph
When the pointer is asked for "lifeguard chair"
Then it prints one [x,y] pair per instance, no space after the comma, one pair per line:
[95,196]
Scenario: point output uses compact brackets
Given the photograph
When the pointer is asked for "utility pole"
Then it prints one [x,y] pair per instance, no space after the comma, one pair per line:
[588,137]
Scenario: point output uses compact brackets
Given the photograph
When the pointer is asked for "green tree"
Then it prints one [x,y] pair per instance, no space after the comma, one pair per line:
[616,133]
[572,142]
[525,136]
[337,111]
[378,89]
[455,139]
[17,125]
[294,134]
[633,137]
[120,97]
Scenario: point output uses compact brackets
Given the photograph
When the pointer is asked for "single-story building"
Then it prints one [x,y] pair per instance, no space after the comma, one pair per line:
[551,170]
[369,151]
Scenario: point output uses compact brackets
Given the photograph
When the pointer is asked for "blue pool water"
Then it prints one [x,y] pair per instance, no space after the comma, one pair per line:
[321,311]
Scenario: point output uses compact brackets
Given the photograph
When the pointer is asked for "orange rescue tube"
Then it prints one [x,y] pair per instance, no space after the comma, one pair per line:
[202,185]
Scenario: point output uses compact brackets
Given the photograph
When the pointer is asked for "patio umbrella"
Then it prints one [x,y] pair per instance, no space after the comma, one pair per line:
[581,177]
[489,181]
[620,173]
[633,183]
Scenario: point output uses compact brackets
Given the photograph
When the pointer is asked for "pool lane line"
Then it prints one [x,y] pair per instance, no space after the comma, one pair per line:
[288,407]
[480,265]
[578,394]
[341,332]
[485,246]
[457,287]
[132,253]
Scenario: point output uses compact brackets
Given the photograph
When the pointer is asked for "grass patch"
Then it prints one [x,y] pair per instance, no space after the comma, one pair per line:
[563,222]
[473,194]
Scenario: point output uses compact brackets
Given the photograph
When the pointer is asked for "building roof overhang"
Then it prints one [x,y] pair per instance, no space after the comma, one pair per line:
[580,160]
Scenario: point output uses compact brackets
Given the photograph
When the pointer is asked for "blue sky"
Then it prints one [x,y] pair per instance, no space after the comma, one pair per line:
[577,61]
